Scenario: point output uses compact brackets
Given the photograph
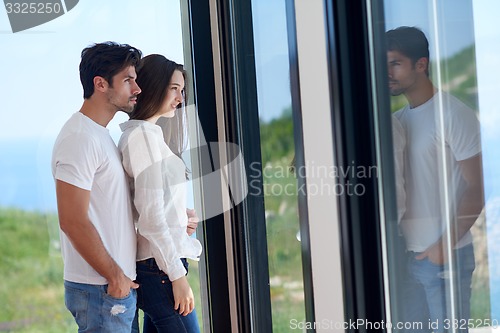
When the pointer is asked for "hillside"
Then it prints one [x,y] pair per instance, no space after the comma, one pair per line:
[32,290]
[458,77]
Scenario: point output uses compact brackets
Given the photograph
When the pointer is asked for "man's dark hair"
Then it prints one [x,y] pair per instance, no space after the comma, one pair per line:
[105,60]
[409,41]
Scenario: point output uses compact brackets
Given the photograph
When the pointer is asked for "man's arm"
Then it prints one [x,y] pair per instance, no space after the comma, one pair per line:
[472,200]
[73,204]
[469,208]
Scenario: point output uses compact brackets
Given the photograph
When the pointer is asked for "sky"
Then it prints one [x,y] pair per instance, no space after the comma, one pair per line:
[43,86]
[447,23]
[41,89]
[271,57]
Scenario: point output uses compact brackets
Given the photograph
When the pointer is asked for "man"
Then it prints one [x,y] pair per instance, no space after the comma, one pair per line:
[443,186]
[95,215]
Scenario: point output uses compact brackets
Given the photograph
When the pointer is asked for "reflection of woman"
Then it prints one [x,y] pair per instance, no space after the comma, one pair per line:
[157,181]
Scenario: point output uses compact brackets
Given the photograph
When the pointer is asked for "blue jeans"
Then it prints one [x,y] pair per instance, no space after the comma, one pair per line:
[95,311]
[155,297]
[427,291]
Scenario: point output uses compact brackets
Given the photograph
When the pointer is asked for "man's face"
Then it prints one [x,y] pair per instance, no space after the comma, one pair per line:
[402,73]
[123,94]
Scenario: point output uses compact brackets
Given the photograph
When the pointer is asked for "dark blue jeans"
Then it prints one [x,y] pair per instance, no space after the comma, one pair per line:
[155,297]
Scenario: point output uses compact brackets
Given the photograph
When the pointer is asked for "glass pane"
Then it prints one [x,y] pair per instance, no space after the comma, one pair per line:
[440,276]
[277,145]
[488,71]
[41,91]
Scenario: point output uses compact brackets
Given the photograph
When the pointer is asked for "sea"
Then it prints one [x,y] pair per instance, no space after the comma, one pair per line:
[26,181]
[25,175]
[26,178]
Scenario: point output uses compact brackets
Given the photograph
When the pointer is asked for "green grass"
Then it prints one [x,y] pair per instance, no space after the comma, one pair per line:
[32,290]
[480,303]
[284,249]
[194,281]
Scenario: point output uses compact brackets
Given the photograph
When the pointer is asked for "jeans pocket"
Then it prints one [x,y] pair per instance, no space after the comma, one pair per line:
[439,266]
[168,288]
[124,299]
[119,313]
[119,306]
[77,302]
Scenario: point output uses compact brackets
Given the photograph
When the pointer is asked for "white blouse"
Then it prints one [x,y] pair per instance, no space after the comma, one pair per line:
[158,185]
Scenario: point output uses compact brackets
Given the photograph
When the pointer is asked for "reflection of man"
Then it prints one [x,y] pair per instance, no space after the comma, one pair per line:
[443,185]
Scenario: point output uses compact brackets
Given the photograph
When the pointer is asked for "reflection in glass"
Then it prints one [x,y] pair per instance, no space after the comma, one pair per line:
[438,264]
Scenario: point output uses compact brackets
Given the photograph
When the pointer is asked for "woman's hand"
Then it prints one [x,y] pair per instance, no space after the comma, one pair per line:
[183,296]
[192,221]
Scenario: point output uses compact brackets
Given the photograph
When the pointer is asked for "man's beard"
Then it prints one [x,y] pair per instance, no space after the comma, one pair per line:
[127,108]
[396,91]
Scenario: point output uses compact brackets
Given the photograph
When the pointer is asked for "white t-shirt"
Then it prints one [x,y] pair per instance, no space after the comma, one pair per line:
[158,185]
[86,156]
[432,173]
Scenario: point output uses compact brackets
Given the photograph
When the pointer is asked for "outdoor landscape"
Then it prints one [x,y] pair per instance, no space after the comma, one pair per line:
[282,223]
[32,290]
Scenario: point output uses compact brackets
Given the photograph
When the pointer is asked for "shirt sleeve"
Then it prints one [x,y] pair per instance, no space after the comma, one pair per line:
[77,160]
[462,130]
[143,159]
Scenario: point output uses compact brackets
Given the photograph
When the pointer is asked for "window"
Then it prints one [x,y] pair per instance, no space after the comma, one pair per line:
[446,279]
[280,190]
[41,91]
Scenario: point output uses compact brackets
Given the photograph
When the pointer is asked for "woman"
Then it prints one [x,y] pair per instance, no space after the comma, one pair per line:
[157,180]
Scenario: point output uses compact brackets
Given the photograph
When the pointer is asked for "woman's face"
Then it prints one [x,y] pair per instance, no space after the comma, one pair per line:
[174,95]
